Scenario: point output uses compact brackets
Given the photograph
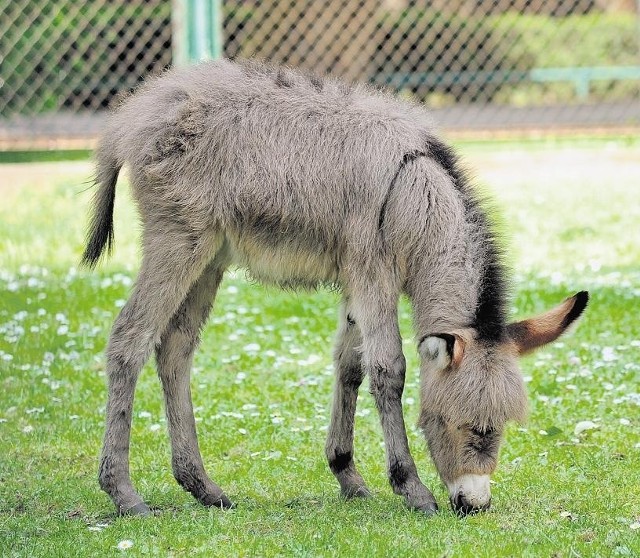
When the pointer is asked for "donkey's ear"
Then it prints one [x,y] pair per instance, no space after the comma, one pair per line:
[530,334]
[445,348]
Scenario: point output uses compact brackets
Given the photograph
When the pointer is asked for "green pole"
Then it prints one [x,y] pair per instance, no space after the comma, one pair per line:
[197,30]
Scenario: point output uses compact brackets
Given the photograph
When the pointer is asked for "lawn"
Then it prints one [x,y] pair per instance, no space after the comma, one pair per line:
[262,387]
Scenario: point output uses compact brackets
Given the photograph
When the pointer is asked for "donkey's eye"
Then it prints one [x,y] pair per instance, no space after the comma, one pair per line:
[483,442]
[482,433]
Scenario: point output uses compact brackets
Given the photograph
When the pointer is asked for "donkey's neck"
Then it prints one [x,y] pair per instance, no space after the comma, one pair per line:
[447,295]
[457,279]
[444,292]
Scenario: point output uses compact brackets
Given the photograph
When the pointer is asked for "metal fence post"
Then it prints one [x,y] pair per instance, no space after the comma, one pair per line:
[197,30]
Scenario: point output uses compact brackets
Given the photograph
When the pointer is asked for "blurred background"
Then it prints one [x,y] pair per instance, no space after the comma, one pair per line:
[499,67]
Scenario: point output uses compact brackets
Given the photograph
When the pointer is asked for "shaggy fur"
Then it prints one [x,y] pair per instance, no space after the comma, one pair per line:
[306,181]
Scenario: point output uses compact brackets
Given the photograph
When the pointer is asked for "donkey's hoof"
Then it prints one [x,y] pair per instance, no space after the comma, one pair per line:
[427,508]
[355,492]
[141,510]
[221,502]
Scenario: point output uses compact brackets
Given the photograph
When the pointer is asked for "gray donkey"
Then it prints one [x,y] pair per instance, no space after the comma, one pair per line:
[306,181]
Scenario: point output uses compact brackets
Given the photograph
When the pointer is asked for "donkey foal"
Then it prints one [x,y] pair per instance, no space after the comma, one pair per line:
[307,181]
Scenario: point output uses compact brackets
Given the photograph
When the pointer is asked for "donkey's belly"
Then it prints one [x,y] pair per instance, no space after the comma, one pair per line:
[287,265]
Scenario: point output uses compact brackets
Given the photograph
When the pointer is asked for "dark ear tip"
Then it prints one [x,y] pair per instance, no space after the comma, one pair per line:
[582,298]
[580,303]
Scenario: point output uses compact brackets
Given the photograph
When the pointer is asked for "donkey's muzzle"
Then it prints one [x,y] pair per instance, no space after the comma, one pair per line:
[470,494]
[463,507]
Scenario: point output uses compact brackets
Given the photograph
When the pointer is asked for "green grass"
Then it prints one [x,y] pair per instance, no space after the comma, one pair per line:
[34,156]
[572,216]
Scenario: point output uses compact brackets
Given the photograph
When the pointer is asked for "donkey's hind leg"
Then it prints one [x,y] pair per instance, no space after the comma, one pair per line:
[169,268]
[349,375]
[174,356]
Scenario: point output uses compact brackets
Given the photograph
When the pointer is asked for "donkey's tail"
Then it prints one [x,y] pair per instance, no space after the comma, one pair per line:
[100,231]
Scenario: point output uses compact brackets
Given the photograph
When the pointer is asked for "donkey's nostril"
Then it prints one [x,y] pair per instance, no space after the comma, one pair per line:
[463,507]
[459,501]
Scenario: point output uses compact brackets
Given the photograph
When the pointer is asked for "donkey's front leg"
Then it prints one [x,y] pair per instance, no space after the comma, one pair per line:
[384,362]
[349,374]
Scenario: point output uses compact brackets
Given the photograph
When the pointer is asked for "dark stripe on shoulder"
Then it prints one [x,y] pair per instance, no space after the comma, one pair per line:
[281,79]
[316,82]
[491,312]
[407,158]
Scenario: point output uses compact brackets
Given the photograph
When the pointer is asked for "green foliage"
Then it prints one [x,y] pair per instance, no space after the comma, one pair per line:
[537,41]
[451,58]
[74,55]
[262,413]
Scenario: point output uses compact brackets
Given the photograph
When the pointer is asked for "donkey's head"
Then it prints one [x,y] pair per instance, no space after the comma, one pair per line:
[470,388]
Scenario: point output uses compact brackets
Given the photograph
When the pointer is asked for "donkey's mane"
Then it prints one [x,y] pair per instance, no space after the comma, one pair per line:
[490,317]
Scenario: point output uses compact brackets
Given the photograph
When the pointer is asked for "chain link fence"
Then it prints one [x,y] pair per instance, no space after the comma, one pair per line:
[480,65]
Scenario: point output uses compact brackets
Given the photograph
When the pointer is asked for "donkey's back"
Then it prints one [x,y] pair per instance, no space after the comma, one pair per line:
[250,114]
[296,171]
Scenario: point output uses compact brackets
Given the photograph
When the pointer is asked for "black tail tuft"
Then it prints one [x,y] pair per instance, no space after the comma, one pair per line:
[100,233]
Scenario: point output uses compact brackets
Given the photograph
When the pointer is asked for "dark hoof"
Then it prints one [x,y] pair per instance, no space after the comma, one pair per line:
[356,492]
[141,510]
[426,508]
[221,502]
